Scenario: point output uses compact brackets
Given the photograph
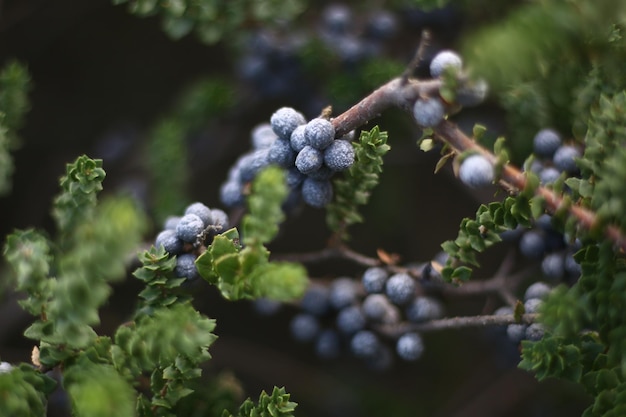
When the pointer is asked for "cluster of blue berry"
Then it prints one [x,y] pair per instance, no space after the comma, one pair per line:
[533,298]
[308,151]
[348,315]
[182,236]
[272,63]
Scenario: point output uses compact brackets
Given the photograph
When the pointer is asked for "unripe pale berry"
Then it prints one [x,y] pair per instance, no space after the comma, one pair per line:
[428,112]
[443,60]
[476,171]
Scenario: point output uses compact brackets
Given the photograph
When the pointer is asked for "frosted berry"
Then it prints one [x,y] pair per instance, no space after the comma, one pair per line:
[298,140]
[322,174]
[531,306]
[339,155]
[5,367]
[231,194]
[350,320]
[364,344]
[443,60]
[281,153]
[410,346]
[328,345]
[170,242]
[534,332]
[400,288]
[476,171]
[376,307]
[319,133]
[189,227]
[252,163]
[343,292]
[317,193]
[262,136]
[309,159]
[316,300]
[285,120]
[548,175]
[538,290]
[374,279]
[304,327]
[546,142]
[201,211]
[532,244]
[220,218]
[424,308]
[428,112]
[186,267]
[565,158]
[553,266]
[171,222]
[516,332]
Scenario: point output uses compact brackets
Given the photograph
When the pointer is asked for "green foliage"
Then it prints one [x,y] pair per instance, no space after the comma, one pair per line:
[14,87]
[98,390]
[260,225]
[214,20]
[157,273]
[244,271]
[275,405]
[354,188]
[80,185]
[23,391]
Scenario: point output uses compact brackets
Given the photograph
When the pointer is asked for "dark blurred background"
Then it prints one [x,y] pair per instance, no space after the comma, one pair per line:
[103,78]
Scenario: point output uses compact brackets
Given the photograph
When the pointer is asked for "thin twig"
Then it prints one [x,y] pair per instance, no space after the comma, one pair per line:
[418,57]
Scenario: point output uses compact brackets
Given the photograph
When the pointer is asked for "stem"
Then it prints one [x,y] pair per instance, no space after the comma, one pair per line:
[395,331]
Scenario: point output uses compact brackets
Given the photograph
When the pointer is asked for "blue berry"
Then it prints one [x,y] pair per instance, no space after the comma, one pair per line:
[285,120]
[503,311]
[534,332]
[532,244]
[548,175]
[516,332]
[565,158]
[350,320]
[170,242]
[364,344]
[476,171]
[319,133]
[309,160]
[572,267]
[186,267]
[262,136]
[316,300]
[382,25]
[410,346]
[337,18]
[266,306]
[343,292]
[472,93]
[171,222]
[5,367]
[294,177]
[553,266]
[531,306]
[424,308]
[328,345]
[443,60]
[374,279]
[298,140]
[546,142]
[322,174]
[428,112]
[220,218]
[281,154]
[304,327]
[376,307]
[231,194]
[538,290]
[400,288]
[189,227]
[201,211]
[317,193]
[339,155]
[252,163]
